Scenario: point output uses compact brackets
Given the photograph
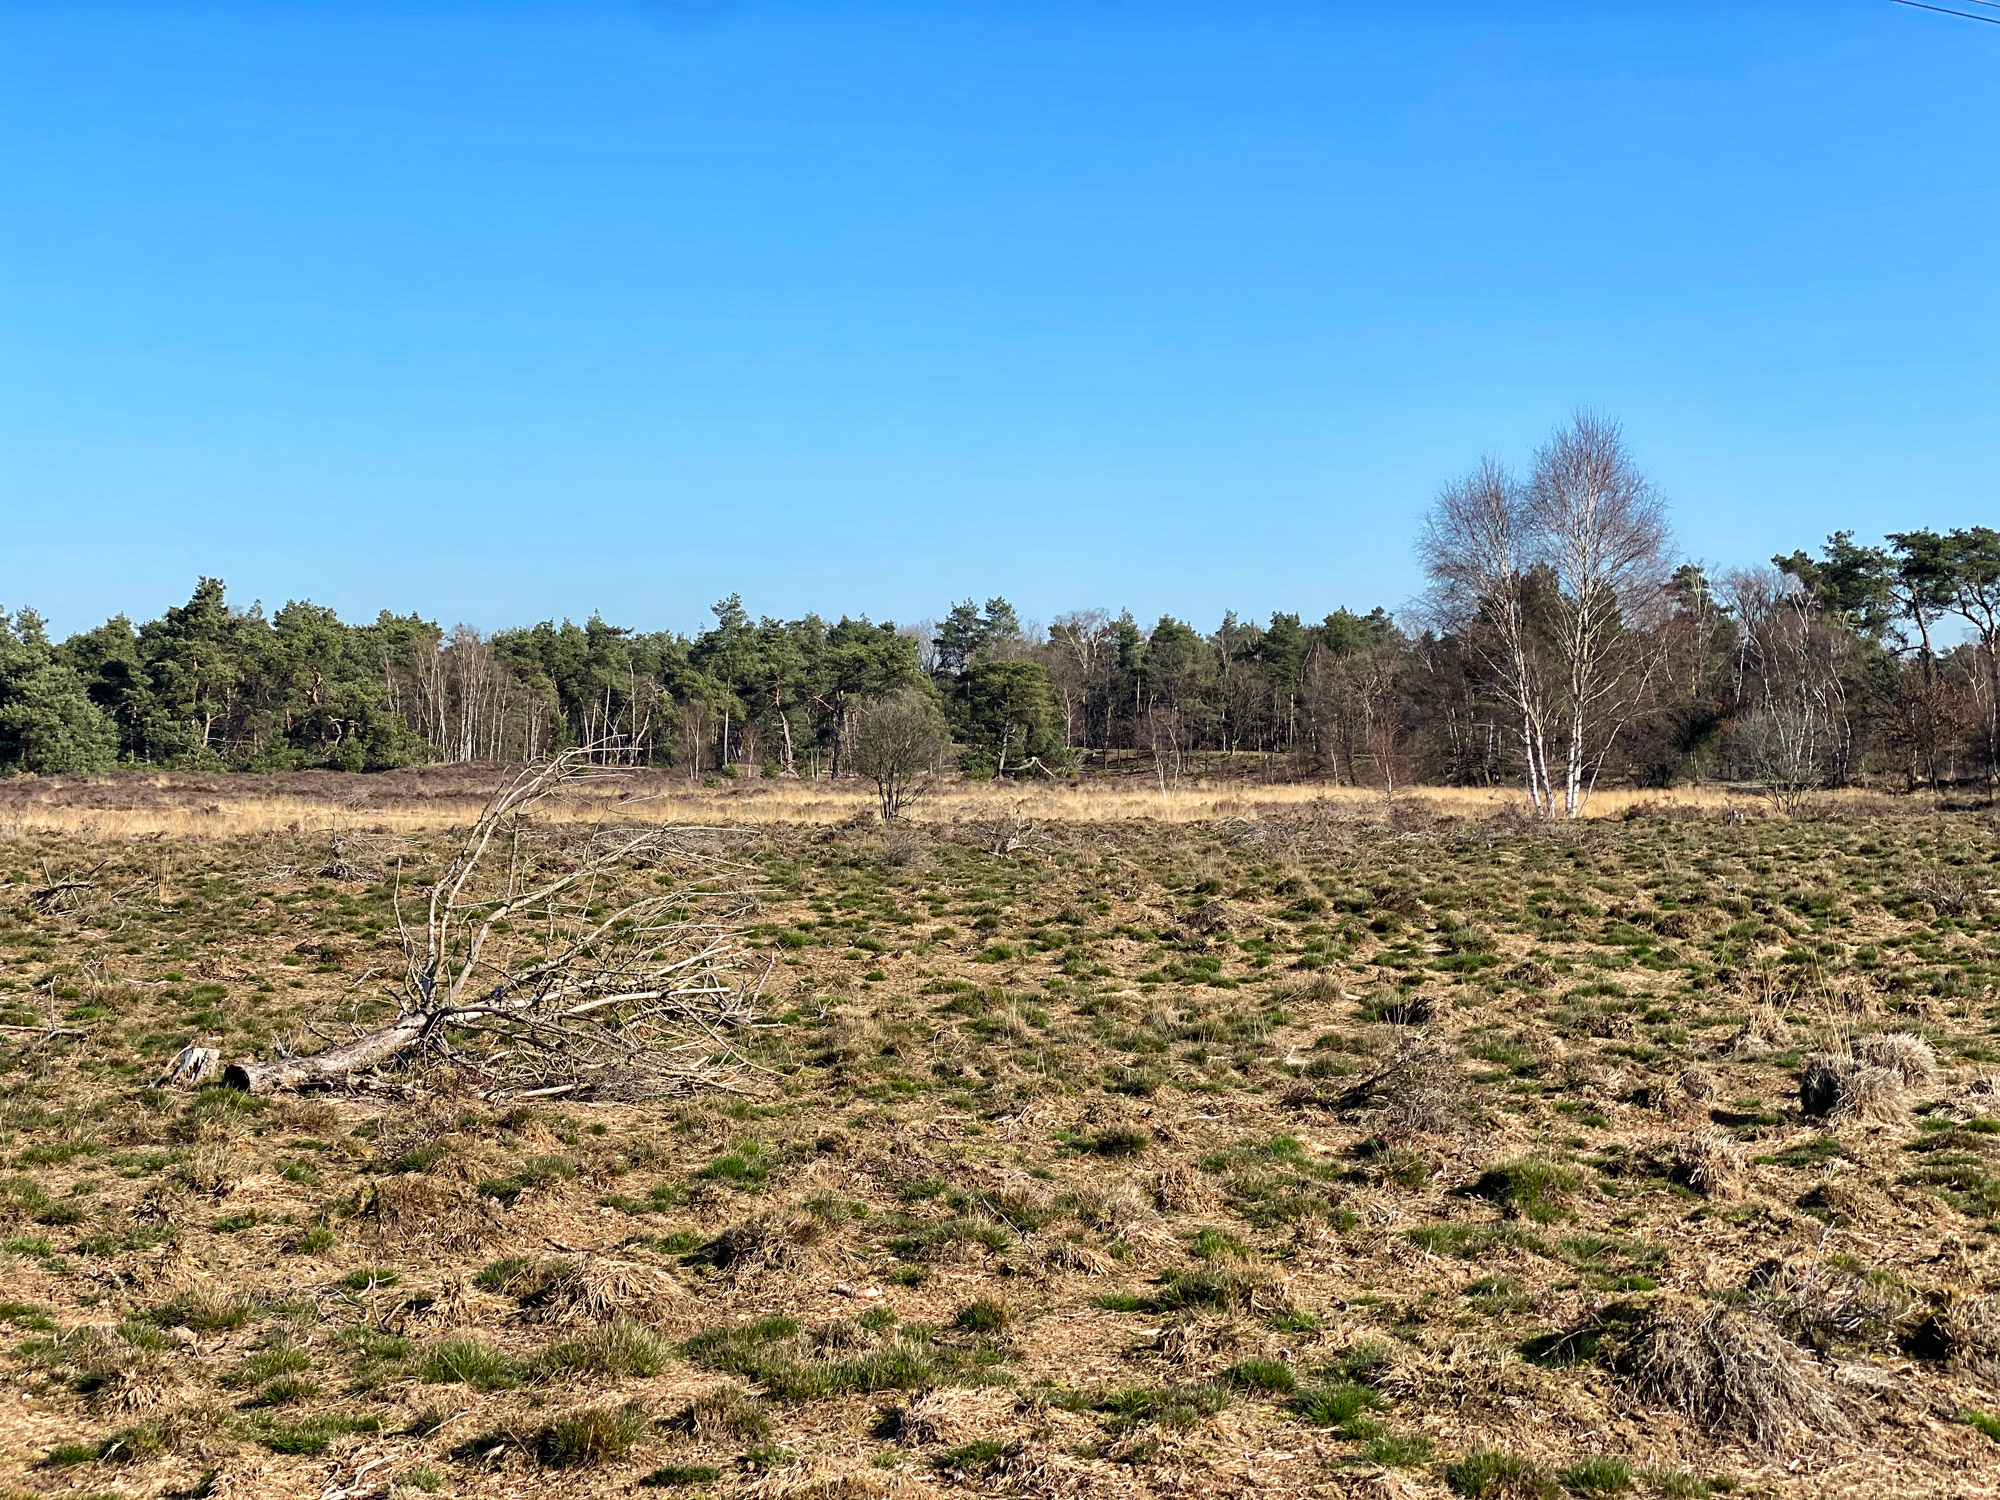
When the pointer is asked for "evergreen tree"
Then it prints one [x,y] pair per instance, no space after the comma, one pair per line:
[48,723]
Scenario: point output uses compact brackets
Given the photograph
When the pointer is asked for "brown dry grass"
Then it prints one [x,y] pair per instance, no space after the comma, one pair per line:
[189,805]
[1077,1152]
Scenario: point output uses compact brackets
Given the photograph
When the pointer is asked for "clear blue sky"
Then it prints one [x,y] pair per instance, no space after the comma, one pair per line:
[502,312]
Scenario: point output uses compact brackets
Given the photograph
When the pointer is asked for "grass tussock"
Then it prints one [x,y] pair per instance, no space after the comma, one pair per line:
[1732,1372]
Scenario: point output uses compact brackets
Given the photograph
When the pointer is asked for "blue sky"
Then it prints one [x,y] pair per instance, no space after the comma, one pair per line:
[504,312]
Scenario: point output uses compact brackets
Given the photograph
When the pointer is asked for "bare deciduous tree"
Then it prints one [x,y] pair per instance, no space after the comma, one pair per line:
[1793,733]
[1158,732]
[539,973]
[1078,662]
[899,744]
[1555,579]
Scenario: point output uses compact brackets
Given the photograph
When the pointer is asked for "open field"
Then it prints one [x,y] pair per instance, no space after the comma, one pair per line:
[1258,1141]
[182,804]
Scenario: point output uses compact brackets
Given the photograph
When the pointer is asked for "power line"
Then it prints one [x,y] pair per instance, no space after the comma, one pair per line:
[1964,15]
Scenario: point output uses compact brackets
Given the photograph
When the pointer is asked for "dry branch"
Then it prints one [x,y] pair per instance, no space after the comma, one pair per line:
[539,973]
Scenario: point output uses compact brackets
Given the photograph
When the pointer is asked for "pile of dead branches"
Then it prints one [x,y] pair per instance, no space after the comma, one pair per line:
[558,960]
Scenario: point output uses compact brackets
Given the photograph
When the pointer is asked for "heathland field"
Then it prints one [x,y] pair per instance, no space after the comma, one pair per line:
[1067,1143]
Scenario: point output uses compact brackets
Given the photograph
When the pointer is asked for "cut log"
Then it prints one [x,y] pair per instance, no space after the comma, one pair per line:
[329,1068]
[192,1067]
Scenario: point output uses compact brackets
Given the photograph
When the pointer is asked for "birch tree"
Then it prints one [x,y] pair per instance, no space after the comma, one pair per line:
[1558,580]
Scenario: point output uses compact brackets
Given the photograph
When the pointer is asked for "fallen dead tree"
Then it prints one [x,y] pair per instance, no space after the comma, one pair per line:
[537,972]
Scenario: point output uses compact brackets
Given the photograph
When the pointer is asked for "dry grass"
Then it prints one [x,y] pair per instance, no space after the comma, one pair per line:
[189,805]
[1732,1372]
[1711,1161]
[1287,1149]
[1839,1087]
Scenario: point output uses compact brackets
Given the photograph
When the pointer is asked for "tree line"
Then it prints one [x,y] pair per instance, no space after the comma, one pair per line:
[1561,645]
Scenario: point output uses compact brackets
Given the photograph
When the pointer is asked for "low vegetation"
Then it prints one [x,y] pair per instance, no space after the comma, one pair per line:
[1299,1149]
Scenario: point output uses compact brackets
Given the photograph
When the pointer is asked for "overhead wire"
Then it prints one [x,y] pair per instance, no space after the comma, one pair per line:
[1964,15]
